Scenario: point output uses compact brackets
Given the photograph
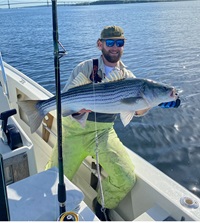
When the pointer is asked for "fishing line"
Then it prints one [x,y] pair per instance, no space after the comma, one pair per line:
[97,156]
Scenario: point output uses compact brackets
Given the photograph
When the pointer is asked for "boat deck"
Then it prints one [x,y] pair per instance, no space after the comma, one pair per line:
[42,204]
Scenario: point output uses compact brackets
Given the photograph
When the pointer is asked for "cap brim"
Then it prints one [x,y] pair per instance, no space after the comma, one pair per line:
[114,37]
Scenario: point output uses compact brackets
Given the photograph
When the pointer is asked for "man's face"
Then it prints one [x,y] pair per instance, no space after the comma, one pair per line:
[111,53]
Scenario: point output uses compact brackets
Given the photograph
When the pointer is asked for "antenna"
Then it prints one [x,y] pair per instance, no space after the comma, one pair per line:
[8,4]
[4,208]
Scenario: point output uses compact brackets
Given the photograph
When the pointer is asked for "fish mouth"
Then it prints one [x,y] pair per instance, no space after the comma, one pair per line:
[174,93]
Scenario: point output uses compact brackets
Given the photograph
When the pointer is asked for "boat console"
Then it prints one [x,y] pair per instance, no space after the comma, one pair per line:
[15,147]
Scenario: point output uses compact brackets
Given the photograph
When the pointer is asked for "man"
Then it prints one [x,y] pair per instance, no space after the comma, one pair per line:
[78,142]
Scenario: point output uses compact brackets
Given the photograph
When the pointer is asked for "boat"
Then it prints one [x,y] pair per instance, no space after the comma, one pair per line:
[30,193]
[154,197]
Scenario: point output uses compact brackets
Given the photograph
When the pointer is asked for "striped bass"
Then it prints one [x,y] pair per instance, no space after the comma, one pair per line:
[123,96]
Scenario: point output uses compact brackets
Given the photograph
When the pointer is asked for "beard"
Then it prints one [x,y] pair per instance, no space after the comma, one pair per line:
[110,57]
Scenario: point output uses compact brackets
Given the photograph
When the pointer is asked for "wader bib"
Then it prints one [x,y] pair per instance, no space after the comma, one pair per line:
[78,143]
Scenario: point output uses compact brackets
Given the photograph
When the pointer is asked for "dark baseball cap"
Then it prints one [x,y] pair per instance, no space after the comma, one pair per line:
[112,32]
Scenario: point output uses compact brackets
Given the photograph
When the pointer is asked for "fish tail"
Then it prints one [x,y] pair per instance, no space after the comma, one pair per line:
[34,115]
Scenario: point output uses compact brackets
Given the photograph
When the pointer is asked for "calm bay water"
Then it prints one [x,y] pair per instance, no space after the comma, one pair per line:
[163,44]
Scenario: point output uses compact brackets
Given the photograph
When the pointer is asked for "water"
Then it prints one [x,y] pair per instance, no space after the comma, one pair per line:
[163,44]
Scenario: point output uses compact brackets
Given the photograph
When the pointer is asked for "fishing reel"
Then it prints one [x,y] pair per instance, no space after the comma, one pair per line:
[68,216]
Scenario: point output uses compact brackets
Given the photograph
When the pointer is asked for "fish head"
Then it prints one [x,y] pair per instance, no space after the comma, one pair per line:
[155,93]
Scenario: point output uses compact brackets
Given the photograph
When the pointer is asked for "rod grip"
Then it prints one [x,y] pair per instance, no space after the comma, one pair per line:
[61,197]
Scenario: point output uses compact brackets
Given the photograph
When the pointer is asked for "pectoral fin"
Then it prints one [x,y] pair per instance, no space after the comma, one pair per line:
[126,117]
[131,100]
[81,118]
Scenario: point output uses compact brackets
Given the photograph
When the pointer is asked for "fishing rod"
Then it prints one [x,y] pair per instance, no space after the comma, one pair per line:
[57,55]
[71,215]
[64,216]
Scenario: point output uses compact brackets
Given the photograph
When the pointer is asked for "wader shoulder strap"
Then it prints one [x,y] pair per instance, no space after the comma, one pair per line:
[94,75]
[100,117]
[95,64]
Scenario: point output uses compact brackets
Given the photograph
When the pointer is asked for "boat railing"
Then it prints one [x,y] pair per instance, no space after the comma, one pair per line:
[4,76]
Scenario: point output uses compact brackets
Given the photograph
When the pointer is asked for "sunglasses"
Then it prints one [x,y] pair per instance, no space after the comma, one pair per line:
[112,42]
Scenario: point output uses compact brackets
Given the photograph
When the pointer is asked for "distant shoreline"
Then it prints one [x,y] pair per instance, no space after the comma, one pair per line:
[99,2]
[105,2]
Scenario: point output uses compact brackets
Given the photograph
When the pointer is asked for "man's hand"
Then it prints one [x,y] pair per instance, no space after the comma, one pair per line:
[171,104]
[82,111]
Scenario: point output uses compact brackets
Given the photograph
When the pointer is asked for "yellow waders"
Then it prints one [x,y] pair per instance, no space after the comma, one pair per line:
[78,143]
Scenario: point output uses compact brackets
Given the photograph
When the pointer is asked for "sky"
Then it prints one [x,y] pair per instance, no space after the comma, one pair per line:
[13,3]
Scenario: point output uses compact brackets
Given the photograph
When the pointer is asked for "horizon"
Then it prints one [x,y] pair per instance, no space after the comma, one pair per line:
[29,3]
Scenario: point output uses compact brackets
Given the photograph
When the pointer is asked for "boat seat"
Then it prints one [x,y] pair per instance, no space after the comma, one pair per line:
[155,213]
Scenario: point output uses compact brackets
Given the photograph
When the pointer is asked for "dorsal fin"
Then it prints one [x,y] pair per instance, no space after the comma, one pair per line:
[114,75]
[80,79]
